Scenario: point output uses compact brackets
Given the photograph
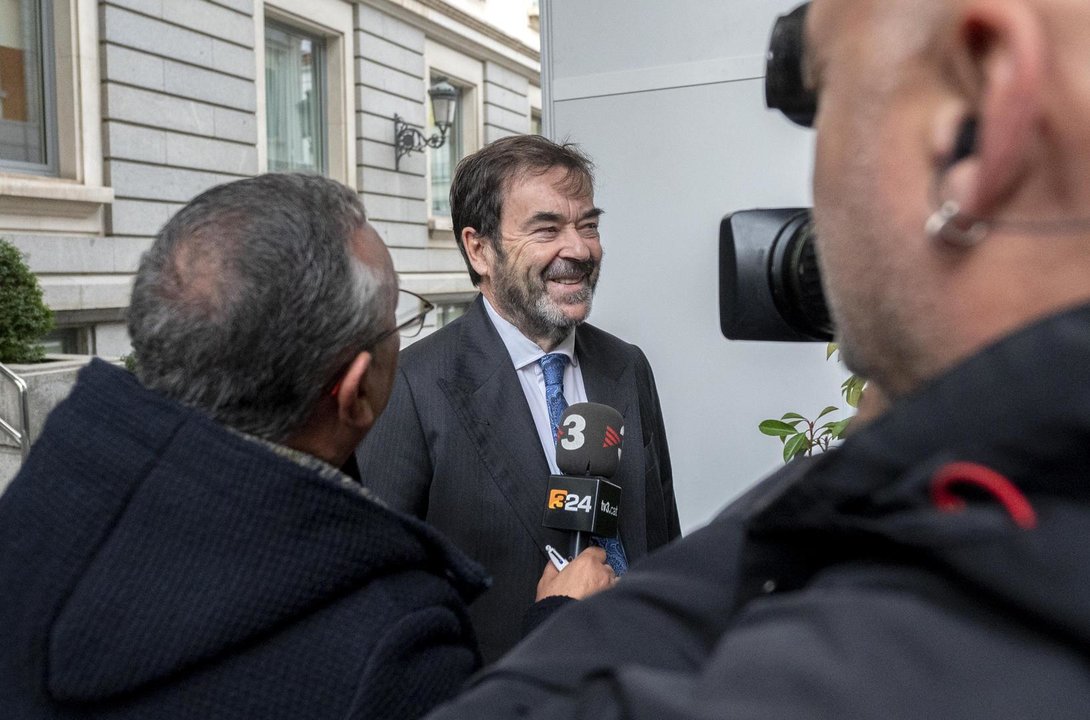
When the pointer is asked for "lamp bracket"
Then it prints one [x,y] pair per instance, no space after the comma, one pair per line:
[407,139]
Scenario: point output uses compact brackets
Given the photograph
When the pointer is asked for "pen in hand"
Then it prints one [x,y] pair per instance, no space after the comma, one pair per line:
[556,558]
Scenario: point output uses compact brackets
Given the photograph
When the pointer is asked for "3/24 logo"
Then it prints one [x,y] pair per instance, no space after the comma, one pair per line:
[575,437]
[564,500]
[576,426]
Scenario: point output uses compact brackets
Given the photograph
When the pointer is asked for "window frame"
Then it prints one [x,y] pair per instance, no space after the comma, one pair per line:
[467,73]
[534,97]
[321,82]
[48,50]
[73,199]
[455,136]
[332,21]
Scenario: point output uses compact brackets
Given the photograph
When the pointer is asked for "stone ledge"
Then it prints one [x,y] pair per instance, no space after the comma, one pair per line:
[48,383]
[60,190]
[51,205]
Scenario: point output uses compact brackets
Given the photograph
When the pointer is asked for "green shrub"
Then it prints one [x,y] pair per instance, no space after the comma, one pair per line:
[24,318]
[802,436]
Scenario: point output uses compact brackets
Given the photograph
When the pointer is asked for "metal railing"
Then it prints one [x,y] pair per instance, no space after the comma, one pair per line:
[22,435]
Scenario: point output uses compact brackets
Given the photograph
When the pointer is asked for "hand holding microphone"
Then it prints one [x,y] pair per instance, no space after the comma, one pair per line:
[588,450]
[582,577]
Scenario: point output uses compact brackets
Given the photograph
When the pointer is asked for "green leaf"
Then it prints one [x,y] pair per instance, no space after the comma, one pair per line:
[852,389]
[826,411]
[830,349]
[794,446]
[792,416]
[776,428]
[838,428]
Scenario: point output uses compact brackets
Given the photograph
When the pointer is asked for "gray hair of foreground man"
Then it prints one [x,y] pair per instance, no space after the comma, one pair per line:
[481,181]
[251,299]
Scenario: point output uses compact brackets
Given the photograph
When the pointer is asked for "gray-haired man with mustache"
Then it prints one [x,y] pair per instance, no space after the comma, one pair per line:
[467,440]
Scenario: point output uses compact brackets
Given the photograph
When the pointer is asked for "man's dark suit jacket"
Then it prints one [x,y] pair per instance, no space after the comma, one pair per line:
[457,447]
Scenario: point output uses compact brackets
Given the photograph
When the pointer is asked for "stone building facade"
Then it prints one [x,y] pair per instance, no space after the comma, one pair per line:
[132,107]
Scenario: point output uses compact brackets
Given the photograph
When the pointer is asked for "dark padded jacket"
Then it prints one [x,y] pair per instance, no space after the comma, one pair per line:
[155,565]
[934,566]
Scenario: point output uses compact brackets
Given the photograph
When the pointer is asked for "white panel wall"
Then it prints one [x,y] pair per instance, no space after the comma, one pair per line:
[668,98]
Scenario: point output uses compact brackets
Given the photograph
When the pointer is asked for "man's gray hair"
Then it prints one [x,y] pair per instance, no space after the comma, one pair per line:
[250,300]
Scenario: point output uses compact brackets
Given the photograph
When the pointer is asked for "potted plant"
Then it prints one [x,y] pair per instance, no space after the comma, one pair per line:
[30,383]
[801,435]
[24,317]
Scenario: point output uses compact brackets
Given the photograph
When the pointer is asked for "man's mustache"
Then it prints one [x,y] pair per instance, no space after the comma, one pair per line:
[564,269]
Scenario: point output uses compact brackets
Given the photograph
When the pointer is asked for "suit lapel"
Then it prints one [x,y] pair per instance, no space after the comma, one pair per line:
[610,380]
[485,391]
[602,372]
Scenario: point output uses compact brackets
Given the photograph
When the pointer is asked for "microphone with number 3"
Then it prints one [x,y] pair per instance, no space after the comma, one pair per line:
[588,450]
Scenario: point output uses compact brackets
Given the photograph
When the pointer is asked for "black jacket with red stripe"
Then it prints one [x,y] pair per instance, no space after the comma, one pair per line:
[936,565]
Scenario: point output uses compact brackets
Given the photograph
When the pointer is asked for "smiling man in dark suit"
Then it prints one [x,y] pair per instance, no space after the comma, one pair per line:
[467,440]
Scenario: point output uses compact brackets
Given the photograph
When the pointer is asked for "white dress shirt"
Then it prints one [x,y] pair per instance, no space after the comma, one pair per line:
[524,354]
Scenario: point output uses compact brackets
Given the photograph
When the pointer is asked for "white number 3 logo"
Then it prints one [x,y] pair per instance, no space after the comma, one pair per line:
[575,425]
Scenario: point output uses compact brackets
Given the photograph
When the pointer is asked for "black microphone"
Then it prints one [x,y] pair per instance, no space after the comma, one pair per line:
[588,450]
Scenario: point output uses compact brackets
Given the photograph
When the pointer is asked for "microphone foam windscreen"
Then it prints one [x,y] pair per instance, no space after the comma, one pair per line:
[588,440]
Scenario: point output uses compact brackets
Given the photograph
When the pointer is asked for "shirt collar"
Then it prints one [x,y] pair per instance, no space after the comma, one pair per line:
[305,460]
[523,350]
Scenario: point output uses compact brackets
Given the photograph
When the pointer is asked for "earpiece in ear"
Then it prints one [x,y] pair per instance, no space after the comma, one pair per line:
[965,144]
[948,223]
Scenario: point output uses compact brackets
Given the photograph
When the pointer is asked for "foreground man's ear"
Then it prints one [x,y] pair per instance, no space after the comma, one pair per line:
[1000,48]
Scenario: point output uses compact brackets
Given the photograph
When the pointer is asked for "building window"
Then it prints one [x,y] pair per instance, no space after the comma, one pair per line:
[448,308]
[295,104]
[448,312]
[28,134]
[467,75]
[443,160]
[69,341]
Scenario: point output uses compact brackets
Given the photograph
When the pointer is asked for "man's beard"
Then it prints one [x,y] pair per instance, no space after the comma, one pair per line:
[530,307]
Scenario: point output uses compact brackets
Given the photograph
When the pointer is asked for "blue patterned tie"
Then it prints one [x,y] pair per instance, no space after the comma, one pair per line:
[552,367]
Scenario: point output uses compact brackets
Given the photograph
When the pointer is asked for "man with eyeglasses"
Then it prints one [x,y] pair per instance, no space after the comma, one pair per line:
[468,441]
[935,565]
[180,543]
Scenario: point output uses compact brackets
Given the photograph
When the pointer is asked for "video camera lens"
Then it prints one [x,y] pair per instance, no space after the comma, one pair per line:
[784,87]
[769,281]
[796,279]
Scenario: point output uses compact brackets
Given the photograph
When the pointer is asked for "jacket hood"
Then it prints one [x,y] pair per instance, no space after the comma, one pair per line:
[158,506]
[983,474]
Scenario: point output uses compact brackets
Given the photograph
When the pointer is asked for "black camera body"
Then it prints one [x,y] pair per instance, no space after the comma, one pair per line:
[769,282]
